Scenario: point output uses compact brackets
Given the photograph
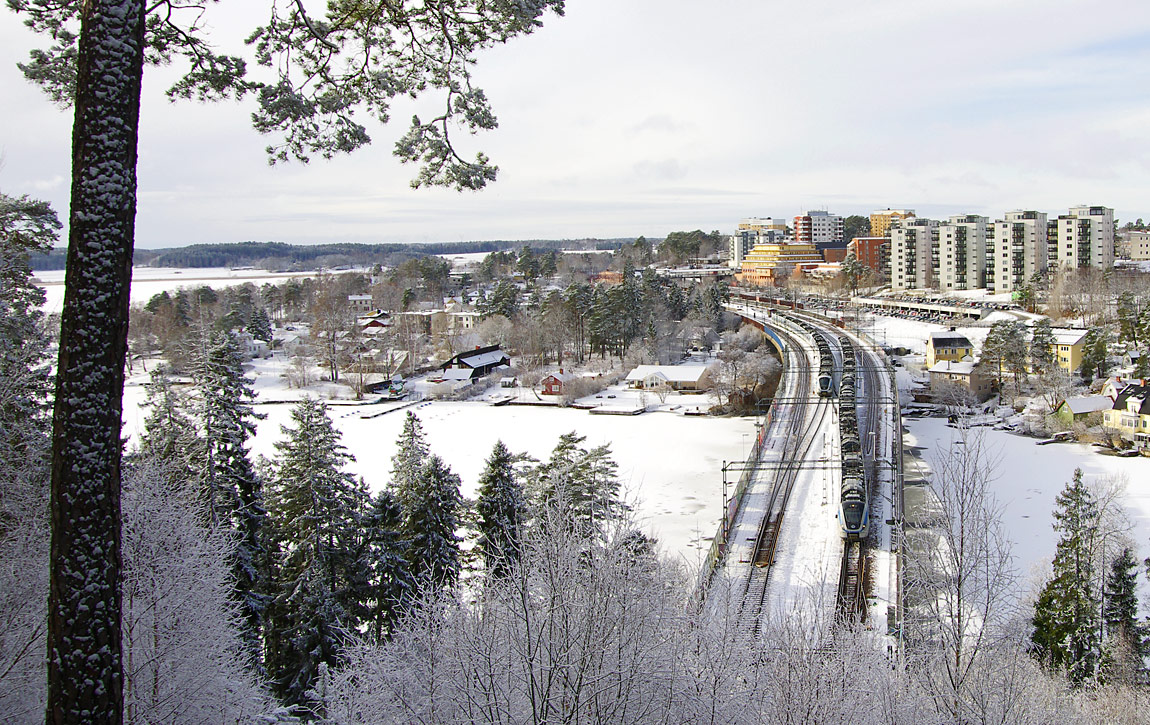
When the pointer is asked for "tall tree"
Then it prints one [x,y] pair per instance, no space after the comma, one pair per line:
[1066,613]
[316,511]
[1125,637]
[501,507]
[430,525]
[412,452]
[1042,346]
[232,490]
[325,69]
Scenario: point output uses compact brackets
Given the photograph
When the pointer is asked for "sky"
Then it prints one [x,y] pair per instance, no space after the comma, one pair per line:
[644,117]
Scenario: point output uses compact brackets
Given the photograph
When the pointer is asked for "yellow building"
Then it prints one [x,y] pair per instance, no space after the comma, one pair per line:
[948,346]
[1130,416]
[769,263]
[880,221]
[1067,348]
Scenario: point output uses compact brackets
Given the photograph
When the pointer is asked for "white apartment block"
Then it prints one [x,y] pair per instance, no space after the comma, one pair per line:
[1015,250]
[911,243]
[819,227]
[958,258]
[1082,238]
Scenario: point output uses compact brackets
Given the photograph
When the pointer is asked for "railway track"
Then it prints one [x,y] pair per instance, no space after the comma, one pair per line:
[804,424]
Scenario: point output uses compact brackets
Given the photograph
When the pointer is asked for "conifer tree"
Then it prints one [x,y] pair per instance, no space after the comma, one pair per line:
[405,464]
[231,489]
[430,524]
[1066,615]
[1125,643]
[390,585]
[1042,346]
[501,508]
[316,512]
[260,327]
[581,485]
[169,434]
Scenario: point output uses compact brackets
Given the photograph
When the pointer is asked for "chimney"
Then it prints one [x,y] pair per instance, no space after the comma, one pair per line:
[560,371]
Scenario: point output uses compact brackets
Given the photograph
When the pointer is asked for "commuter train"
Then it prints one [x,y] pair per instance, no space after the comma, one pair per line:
[854,510]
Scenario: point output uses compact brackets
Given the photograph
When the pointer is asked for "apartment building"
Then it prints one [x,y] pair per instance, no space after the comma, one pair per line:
[1016,248]
[752,231]
[769,263]
[1084,237]
[873,252]
[881,221]
[819,228]
[911,242]
[1136,245]
[958,259]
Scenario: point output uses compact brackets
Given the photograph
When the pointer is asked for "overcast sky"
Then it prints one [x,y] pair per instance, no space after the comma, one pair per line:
[629,117]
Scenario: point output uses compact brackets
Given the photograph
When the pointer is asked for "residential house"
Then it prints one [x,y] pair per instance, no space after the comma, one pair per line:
[1067,348]
[360,304]
[947,373]
[678,377]
[482,359]
[556,383]
[948,346]
[1129,417]
[1074,410]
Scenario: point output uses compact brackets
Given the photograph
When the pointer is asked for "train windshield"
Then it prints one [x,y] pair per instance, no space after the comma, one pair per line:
[852,514]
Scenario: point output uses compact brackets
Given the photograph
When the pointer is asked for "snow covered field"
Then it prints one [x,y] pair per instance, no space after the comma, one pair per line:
[150,281]
[670,465]
[1028,477]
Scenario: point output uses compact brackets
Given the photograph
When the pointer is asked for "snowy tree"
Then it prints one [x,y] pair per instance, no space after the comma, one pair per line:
[581,484]
[27,227]
[316,513]
[1125,642]
[964,584]
[406,462]
[1066,614]
[230,487]
[260,325]
[185,656]
[169,434]
[390,586]
[501,507]
[430,524]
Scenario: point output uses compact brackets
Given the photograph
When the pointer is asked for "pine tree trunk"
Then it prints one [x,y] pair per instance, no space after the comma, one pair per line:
[85,669]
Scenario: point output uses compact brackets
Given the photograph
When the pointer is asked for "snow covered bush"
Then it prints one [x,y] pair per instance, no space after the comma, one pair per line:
[184,660]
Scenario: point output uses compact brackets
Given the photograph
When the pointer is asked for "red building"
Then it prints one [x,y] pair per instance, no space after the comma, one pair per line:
[871,252]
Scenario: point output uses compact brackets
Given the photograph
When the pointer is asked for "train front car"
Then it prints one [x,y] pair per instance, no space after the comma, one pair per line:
[826,385]
[854,516]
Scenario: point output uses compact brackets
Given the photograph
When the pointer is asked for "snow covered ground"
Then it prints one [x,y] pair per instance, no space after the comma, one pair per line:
[1028,477]
[670,464]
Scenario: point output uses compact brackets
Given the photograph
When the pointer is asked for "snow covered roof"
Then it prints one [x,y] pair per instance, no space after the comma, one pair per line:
[1140,394]
[481,357]
[1068,337]
[955,368]
[672,373]
[487,358]
[458,374]
[1088,404]
[949,339]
